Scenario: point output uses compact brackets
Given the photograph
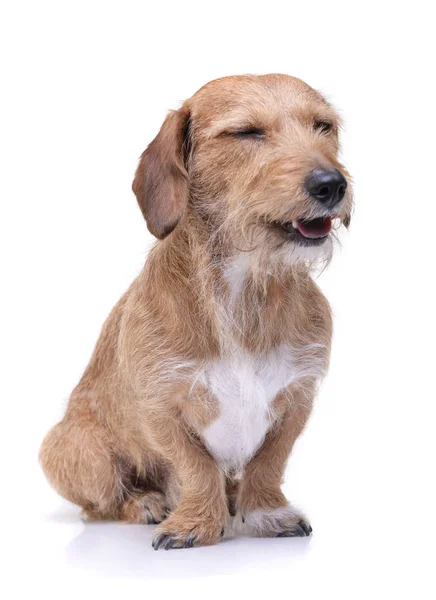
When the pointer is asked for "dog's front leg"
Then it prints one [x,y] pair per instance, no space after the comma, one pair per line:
[202,514]
[261,503]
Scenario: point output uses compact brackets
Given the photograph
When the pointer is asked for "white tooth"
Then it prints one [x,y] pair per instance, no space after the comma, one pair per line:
[295,224]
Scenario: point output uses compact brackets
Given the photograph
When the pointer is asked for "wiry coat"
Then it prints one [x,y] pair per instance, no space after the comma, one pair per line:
[206,369]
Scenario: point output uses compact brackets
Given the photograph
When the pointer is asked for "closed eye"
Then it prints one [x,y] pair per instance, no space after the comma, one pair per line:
[248,132]
[322,126]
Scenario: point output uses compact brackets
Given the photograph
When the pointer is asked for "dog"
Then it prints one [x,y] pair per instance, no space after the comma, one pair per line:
[206,370]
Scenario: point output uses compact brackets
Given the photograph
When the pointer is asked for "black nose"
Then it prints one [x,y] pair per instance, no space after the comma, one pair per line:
[326,185]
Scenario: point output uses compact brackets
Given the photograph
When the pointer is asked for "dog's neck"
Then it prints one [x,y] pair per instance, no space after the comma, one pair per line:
[222,291]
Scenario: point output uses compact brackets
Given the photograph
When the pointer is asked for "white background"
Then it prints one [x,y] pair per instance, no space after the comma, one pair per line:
[85,87]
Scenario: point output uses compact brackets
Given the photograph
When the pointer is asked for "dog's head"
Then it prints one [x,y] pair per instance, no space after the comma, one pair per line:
[256,158]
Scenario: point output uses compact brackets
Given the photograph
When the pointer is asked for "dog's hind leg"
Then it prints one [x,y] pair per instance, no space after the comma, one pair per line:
[77,459]
[150,507]
[80,463]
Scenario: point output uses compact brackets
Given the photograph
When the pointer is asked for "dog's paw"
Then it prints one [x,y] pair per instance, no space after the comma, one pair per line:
[149,508]
[179,532]
[277,522]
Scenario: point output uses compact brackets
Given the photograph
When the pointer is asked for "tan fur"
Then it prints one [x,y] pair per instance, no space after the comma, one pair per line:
[130,445]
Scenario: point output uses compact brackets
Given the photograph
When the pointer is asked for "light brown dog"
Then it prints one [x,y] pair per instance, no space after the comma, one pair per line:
[206,370]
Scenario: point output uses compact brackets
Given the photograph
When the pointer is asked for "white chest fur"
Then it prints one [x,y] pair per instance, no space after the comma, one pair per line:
[245,387]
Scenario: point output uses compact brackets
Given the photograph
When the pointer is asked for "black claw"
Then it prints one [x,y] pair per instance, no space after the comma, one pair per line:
[222,532]
[157,541]
[305,527]
[298,531]
[170,542]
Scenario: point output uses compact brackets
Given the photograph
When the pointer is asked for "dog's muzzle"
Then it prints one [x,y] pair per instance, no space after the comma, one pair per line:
[327,187]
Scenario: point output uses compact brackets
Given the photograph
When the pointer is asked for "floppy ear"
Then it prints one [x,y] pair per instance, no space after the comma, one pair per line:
[161,179]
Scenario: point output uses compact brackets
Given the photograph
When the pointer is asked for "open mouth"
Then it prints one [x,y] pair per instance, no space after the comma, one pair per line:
[311,232]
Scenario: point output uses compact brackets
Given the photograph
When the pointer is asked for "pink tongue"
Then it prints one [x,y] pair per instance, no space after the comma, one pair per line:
[316,228]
